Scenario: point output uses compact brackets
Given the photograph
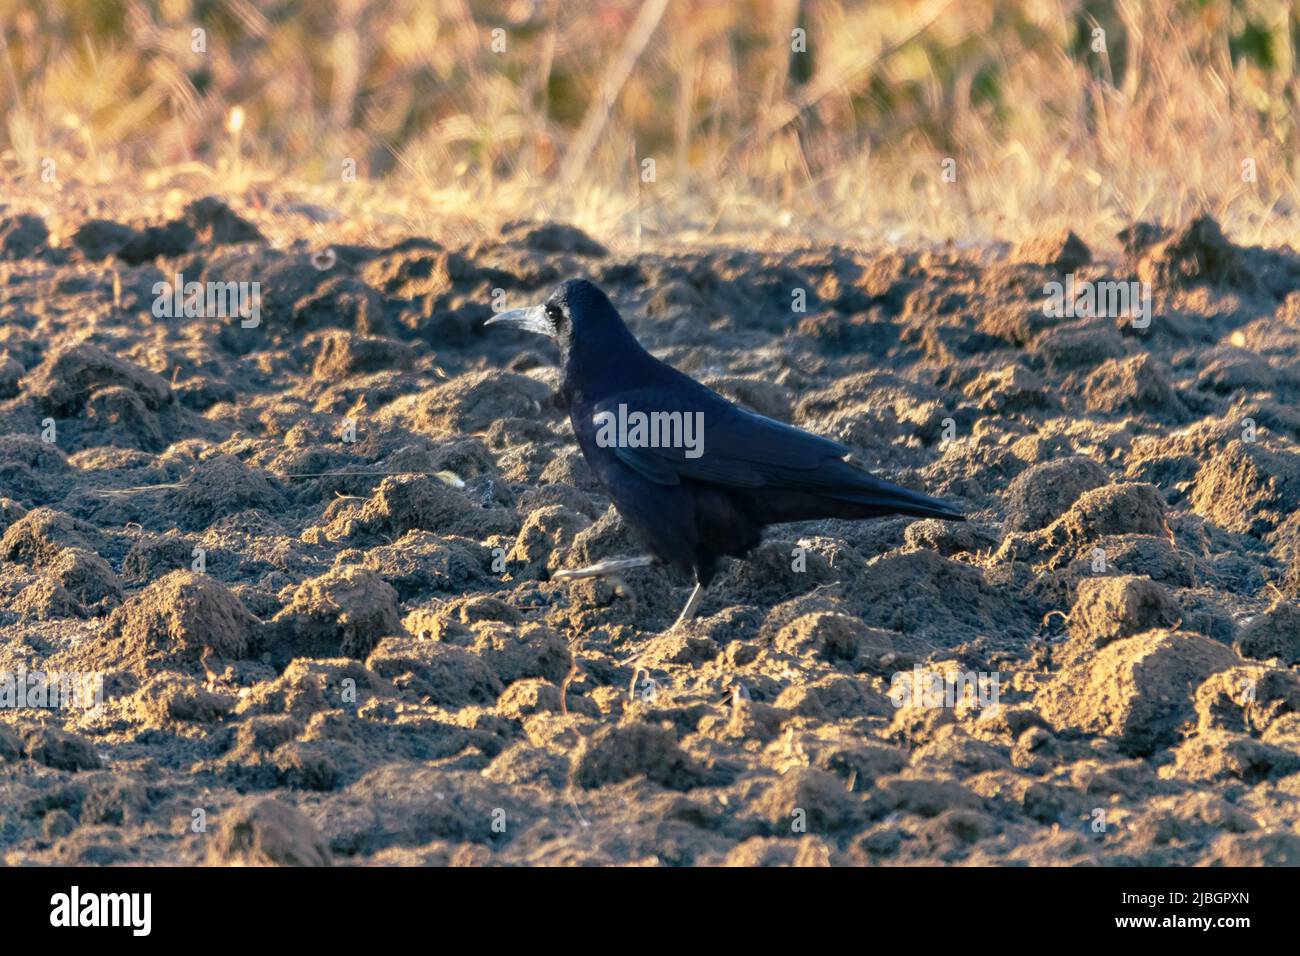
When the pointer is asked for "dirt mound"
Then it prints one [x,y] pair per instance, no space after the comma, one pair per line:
[23,236]
[339,301]
[1199,252]
[45,599]
[262,831]
[222,486]
[10,511]
[216,224]
[1138,690]
[1111,608]
[343,354]
[1255,849]
[11,373]
[833,636]
[468,405]
[204,222]
[1078,346]
[623,751]
[1009,389]
[124,420]
[1219,755]
[1140,236]
[928,595]
[447,676]
[1234,370]
[182,613]
[419,563]
[30,470]
[153,556]
[88,578]
[547,533]
[63,383]
[1138,384]
[1063,252]
[1112,509]
[344,611]
[101,238]
[1041,494]
[1246,488]
[404,503]
[168,698]
[52,747]
[1112,525]
[1273,634]
[552,237]
[1249,699]
[415,809]
[39,537]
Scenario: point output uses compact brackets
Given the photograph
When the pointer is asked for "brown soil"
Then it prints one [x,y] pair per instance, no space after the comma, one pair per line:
[312,560]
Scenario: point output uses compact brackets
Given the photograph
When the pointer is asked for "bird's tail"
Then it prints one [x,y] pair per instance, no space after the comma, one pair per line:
[885,497]
[862,496]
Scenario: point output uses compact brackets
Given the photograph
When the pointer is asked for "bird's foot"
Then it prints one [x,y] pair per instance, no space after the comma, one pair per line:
[692,605]
[610,567]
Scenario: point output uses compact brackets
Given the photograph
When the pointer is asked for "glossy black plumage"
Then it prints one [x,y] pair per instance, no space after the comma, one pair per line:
[753,471]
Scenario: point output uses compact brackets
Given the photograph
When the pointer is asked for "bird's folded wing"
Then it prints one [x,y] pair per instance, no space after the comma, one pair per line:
[738,448]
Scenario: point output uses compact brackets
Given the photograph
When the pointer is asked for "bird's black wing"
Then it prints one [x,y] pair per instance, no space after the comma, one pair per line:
[739,448]
[742,449]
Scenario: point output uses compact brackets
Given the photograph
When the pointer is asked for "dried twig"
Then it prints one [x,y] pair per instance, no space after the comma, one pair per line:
[597,115]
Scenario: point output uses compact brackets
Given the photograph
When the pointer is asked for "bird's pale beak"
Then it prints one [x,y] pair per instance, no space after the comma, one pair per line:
[532,319]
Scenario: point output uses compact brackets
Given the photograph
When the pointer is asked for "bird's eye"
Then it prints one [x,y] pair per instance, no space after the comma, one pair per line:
[555,314]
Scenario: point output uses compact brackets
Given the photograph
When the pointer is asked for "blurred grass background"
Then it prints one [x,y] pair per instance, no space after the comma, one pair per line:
[1090,113]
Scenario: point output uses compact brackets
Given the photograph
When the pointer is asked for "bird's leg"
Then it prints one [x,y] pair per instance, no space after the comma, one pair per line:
[692,605]
[610,567]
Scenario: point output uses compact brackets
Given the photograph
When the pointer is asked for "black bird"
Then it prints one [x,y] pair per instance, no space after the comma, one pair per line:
[703,493]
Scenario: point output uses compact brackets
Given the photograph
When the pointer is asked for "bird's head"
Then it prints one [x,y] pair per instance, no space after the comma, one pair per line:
[597,352]
[577,311]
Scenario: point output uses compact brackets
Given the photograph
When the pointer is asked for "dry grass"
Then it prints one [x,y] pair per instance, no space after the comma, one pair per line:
[847,141]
